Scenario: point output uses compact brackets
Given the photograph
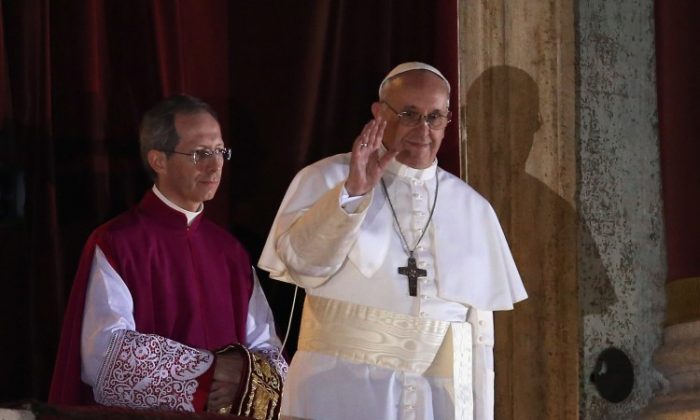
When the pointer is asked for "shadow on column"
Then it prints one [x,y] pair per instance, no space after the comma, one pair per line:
[546,238]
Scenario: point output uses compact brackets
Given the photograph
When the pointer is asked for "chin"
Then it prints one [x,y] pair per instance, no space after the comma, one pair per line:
[418,163]
[209,196]
[416,157]
[205,196]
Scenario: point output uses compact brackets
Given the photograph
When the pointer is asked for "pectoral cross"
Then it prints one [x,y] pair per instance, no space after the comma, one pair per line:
[412,272]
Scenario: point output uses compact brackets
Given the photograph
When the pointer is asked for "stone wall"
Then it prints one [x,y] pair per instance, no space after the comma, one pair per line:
[621,259]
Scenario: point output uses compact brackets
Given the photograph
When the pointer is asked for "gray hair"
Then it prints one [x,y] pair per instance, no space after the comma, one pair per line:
[157,130]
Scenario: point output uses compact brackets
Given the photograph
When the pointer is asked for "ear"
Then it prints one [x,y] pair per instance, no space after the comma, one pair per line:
[157,160]
[376,109]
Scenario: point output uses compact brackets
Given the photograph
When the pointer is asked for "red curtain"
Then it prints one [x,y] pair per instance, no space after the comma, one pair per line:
[678,88]
[292,82]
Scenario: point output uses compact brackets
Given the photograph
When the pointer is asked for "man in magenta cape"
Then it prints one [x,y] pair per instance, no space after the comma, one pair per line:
[160,289]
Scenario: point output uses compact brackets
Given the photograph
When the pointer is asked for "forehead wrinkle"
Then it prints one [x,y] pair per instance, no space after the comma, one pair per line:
[414,108]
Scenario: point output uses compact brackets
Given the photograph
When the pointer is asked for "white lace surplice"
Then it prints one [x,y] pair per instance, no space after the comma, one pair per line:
[126,368]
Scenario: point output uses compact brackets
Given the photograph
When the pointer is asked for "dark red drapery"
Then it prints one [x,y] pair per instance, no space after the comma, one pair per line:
[678,88]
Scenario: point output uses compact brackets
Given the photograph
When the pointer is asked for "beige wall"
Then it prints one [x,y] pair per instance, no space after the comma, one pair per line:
[517,92]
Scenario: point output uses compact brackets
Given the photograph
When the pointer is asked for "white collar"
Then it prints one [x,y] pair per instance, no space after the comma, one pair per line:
[399,169]
[191,215]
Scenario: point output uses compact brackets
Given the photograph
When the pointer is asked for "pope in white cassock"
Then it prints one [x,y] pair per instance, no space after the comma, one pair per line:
[402,263]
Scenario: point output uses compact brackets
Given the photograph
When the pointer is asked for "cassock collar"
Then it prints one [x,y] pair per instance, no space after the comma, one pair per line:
[162,214]
[404,171]
[190,215]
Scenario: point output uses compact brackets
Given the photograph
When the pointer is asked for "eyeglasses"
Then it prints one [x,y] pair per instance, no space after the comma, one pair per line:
[205,154]
[435,120]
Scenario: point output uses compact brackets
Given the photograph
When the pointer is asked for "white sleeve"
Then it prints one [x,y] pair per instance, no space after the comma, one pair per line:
[124,367]
[318,242]
[109,307]
[261,336]
[260,325]
[150,371]
[350,204]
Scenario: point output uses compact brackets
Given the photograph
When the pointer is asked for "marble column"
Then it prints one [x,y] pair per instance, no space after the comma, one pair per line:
[558,117]
[517,110]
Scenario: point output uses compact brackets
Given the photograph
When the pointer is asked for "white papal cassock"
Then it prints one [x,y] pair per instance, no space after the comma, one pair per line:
[367,349]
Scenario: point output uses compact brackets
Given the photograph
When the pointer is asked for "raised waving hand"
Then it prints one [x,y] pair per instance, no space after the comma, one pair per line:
[366,166]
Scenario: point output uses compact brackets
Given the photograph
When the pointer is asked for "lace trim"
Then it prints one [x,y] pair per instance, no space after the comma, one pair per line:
[150,371]
[273,356]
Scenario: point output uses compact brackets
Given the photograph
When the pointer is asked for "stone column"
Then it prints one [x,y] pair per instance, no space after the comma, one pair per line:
[623,265]
[559,133]
[517,114]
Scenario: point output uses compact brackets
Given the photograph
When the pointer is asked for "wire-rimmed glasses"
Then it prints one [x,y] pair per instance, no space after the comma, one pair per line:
[205,154]
[435,120]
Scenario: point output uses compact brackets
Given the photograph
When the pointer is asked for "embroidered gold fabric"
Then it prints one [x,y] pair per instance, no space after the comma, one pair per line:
[260,393]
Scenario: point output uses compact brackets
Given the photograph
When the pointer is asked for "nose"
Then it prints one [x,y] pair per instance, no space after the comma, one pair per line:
[423,126]
[213,164]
